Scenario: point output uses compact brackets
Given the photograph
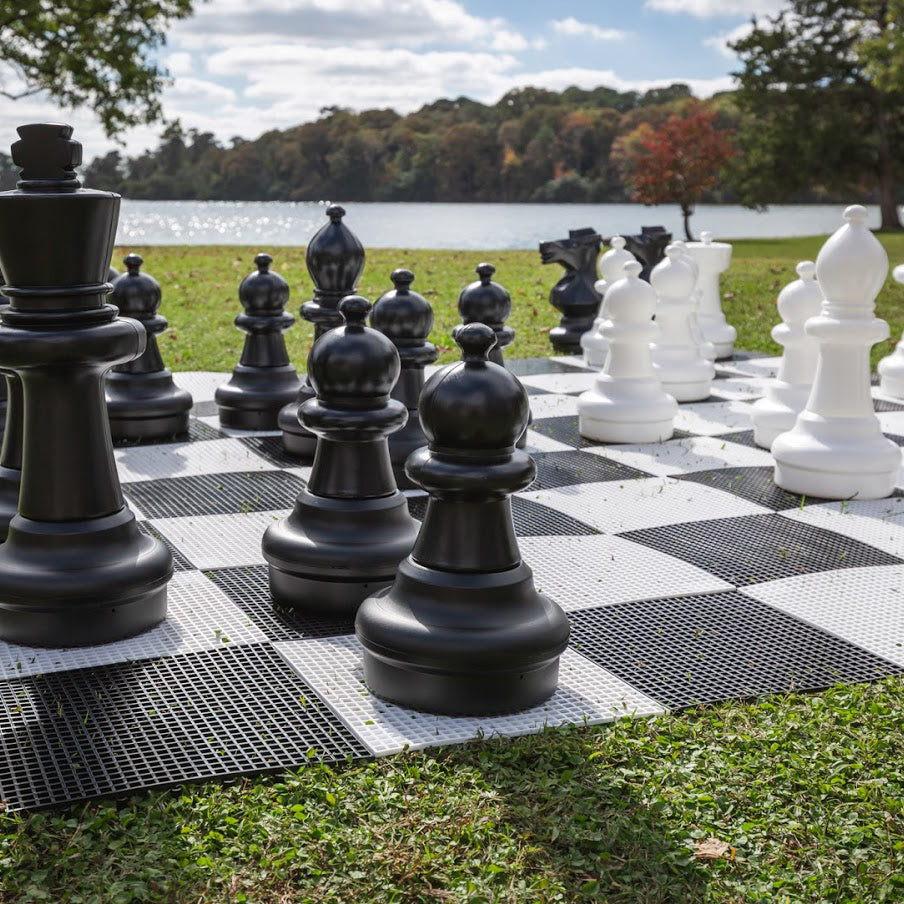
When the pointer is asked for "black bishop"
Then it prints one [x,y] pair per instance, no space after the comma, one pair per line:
[463,630]
[350,527]
[406,318]
[264,380]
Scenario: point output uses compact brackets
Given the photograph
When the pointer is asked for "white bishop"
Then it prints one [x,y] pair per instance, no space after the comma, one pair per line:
[627,403]
[891,368]
[786,395]
[610,266]
[836,449]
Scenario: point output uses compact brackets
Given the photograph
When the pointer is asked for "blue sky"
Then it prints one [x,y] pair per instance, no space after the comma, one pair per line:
[240,67]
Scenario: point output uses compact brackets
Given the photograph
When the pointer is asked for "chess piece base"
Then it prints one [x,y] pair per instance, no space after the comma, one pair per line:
[566,339]
[690,391]
[595,347]
[9,497]
[624,411]
[777,412]
[297,440]
[146,406]
[462,643]
[81,582]
[721,334]
[254,397]
[891,374]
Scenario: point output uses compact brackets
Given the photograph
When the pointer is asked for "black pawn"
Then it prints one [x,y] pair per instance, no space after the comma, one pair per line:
[10,453]
[488,302]
[649,247]
[74,569]
[335,260]
[142,400]
[574,294]
[351,526]
[264,380]
[112,274]
[406,318]
[463,630]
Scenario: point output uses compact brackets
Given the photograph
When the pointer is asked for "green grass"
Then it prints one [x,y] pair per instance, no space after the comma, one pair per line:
[200,296]
[808,790]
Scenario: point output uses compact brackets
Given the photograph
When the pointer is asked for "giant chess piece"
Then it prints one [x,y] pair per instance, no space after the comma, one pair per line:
[627,403]
[264,380]
[351,526]
[836,449]
[573,294]
[11,454]
[142,400]
[611,269]
[74,569]
[649,247]
[406,318]
[685,374]
[704,346]
[335,260]
[112,274]
[486,301]
[463,629]
[786,396]
[891,367]
[713,259]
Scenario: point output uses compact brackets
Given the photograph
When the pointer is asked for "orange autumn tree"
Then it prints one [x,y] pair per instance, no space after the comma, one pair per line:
[675,161]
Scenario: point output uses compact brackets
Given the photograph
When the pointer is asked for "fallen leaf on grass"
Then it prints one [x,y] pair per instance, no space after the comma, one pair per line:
[713,849]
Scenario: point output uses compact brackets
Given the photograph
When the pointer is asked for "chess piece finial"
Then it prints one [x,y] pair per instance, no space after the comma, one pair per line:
[486,301]
[462,630]
[610,267]
[48,156]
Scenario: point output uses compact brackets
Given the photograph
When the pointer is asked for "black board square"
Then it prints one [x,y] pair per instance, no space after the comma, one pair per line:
[754,484]
[215,494]
[248,587]
[198,431]
[563,429]
[89,733]
[180,562]
[272,449]
[559,469]
[532,367]
[754,548]
[742,438]
[880,405]
[708,648]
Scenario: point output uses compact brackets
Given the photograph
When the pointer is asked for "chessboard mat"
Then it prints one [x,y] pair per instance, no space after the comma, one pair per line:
[687,575]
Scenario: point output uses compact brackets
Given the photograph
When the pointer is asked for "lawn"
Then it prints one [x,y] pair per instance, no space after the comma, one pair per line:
[200,294]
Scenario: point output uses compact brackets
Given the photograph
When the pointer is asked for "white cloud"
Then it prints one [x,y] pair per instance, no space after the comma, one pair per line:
[573,27]
[179,63]
[705,9]
[721,42]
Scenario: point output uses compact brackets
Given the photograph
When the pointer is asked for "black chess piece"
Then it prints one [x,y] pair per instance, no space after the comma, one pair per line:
[406,318]
[142,400]
[335,260]
[74,569]
[574,294]
[350,527]
[462,630]
[112,274]
[648,247]
[10,453]
[488,302]
[264,380]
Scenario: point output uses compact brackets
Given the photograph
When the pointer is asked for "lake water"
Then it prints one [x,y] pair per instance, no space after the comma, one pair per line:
[468,227]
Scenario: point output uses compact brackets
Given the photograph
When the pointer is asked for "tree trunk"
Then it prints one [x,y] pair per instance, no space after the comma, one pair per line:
[686,211]
[888,188]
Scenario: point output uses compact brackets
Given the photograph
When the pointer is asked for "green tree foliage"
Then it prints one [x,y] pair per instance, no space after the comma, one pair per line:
[95,53]
[821,91]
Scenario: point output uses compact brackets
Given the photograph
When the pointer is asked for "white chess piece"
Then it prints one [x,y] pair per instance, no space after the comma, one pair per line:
[786,396]
[891,368]
[610,267]
[713,259]
[627,403]
[705,347]
[836,449]
[683,371]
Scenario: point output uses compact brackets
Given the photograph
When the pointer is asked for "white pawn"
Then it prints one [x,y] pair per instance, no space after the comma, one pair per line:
[627,403]
[891,368]
[683,371]
[705,347]
[610,266]
[786,396]
[836,449]
[713,259]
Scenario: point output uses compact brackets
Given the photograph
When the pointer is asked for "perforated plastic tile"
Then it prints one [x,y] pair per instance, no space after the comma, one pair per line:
[564,383]
[756,367]
[742,438]
[272,449]
[864,606]
[202,384]
[570,361]
[198,431]
[886,404]
[759,548]
[215,494]
[220,541]
[614,507]
[878,522]
[891,421]
[584,572]
[186,459]
[333,669]
[556,469]
[199,617]
[235,432]
[713,418]
[526,367]
[730,387]
[249,589]
[206,409]
[562,429]
[722,646]
[180,563]
[537,442]
[530,518]
[108,731]
[755,484]
[681,456]
[553,404]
